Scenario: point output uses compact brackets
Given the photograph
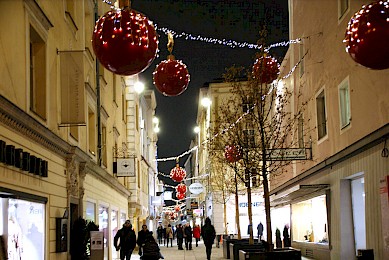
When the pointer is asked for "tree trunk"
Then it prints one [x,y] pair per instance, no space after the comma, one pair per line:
[225,216]
[250,213]
[267,207]
[237,208]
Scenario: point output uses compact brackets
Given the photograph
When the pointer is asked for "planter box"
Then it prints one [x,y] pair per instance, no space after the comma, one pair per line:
[235,247]
[226,245]
[278,254]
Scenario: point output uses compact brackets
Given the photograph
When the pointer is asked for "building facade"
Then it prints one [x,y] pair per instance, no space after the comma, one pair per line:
[338,200]
[65,122]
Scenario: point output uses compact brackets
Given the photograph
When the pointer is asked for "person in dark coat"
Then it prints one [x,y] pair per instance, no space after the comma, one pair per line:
[150,248]
[127,241]
[141,237]
[260,231]
[188,234]
[180,236]
[159,233]
[208,233]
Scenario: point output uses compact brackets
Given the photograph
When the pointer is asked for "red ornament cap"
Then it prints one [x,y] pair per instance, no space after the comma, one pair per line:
[171,77]
[125,41]
[367,36]
[266,69]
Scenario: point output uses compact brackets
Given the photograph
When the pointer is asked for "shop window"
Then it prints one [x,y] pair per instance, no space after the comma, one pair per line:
[90,211]
[37,74]
[103,227]
[122,218]
[309,218]
[321,115]
[358,206]
[114,229]
[344,104]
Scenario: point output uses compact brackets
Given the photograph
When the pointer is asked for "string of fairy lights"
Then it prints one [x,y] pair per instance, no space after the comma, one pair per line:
[228,43]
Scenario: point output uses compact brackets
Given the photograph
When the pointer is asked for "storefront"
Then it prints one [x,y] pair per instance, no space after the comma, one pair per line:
[22,225]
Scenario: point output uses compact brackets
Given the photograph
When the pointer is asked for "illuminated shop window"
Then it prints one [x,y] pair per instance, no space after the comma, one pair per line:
[309,219]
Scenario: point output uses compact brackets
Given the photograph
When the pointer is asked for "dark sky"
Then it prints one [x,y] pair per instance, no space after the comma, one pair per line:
[228,19]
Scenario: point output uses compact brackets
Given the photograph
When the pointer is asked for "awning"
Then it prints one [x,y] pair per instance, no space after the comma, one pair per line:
[296,192]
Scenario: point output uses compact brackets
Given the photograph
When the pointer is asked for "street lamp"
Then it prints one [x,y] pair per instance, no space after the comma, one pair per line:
[139,87]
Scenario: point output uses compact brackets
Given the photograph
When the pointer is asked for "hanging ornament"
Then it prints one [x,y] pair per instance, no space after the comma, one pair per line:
[181,188]
[367,36]
[180,196]
[233,153]
[177,174]
[177,208]
[266,69]
[125,41]
[171,77]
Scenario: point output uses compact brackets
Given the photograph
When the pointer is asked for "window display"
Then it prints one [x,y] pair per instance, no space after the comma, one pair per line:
[309,219]
[26,229]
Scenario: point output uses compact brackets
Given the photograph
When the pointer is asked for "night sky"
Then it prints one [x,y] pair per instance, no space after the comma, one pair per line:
[229,19]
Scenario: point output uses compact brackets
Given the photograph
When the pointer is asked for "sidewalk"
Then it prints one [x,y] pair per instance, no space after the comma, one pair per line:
[198,253]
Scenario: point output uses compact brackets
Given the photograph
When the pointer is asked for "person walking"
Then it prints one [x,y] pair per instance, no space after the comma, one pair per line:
[188,234]
[260,231]
[169,236]
[150,248]
[196,234]
[127,240]
[208,233]
[159,233]
[180,236]
[141,238]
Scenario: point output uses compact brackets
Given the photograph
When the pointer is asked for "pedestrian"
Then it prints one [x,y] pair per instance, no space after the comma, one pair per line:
[180,236]
[159,233]
[127,240]
[141,238]
[169,236]
[188,234]
[196,234]
[208,233]
[260,231]
[164,235]
[150,248]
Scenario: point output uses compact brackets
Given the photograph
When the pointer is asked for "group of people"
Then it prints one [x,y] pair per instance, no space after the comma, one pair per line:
[148,246]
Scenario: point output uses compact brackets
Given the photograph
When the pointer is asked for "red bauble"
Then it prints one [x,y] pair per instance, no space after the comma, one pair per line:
[181,188]
[266,69]
[367,36]
[233,153]
[171,77]
[177,174]
[125,41]
[180,196]
[177,208]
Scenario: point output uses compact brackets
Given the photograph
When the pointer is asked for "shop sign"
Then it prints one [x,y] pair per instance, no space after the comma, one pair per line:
[126,167]
[196,188]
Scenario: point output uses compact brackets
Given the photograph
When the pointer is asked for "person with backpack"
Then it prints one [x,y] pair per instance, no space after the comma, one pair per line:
[208,233]
[127,240]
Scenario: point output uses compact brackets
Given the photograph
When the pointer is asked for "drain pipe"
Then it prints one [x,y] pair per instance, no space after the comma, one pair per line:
[99,145]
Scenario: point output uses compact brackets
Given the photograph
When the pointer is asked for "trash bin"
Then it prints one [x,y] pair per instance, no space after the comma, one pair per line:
[365,254]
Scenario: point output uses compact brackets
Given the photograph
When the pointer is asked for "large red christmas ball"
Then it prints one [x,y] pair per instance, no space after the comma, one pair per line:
[181,188]
[177,174]
[233,153]
[367,36]
[266,69]
[171,77]
[180,196]
[125,41]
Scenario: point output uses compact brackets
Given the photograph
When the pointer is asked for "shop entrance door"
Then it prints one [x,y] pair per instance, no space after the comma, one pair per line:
[358,206]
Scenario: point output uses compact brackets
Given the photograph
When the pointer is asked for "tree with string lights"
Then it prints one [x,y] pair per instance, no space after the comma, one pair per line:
[267,137]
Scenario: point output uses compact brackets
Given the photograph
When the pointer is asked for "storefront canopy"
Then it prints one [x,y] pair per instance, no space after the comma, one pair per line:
[296,193]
